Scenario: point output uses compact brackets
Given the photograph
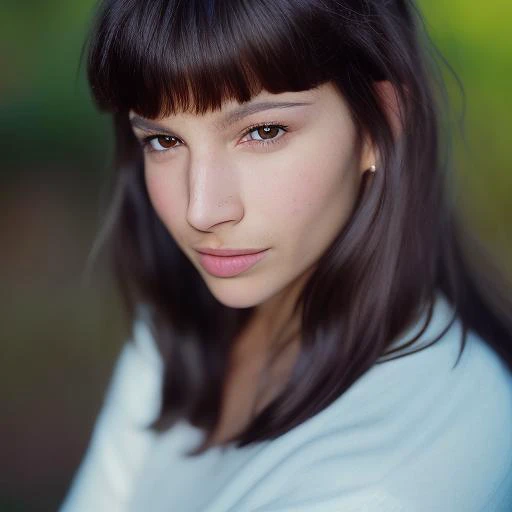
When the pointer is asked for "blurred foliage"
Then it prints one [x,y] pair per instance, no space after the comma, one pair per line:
[47,116]
[55,150]
[476,42]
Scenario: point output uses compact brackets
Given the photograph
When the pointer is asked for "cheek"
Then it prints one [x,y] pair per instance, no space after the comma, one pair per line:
[316,200]
[164,195]
[318,185]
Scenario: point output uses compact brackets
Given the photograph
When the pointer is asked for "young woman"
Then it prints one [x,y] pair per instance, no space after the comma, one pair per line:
[314,327]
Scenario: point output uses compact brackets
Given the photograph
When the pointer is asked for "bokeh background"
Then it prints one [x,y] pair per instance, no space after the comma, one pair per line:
[61,330]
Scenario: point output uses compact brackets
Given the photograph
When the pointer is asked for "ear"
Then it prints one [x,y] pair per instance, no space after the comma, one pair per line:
[391,104]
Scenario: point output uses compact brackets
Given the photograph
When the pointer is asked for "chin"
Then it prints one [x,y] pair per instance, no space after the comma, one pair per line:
[238,293]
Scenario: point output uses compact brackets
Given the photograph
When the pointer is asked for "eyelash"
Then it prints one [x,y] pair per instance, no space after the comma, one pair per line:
[146,141]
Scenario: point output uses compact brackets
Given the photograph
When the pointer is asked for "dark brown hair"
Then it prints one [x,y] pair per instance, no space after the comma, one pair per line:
[404,243]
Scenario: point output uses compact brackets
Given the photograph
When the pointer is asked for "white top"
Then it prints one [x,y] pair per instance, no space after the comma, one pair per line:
[411,435]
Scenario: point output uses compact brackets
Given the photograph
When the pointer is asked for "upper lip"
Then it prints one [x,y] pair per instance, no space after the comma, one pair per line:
[228,252]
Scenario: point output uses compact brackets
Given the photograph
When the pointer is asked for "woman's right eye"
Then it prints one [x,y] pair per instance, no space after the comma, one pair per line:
[160,143]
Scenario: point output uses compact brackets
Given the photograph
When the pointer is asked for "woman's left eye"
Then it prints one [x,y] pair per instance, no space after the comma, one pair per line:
[266,133]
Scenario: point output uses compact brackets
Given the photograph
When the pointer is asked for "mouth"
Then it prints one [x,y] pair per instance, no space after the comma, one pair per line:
[229,252]
[229,265]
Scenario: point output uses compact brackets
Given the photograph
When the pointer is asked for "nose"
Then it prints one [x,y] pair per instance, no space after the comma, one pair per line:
[213,192]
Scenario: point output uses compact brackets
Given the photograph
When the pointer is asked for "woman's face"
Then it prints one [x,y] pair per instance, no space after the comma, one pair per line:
[217,181]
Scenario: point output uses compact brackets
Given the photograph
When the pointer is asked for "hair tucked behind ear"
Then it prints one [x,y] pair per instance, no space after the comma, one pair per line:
[403,244]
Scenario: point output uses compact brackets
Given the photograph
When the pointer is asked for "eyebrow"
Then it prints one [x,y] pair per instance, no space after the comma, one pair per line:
[229,119]
[252,108]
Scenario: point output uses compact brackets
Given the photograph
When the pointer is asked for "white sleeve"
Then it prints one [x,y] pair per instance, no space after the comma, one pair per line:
[120,440]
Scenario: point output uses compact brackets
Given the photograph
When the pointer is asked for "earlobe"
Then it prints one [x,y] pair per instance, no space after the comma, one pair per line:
[369,157]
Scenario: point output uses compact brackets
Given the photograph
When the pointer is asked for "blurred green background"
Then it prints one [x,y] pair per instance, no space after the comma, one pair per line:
[60,333]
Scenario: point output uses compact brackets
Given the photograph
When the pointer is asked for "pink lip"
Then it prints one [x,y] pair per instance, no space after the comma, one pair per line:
[229,266]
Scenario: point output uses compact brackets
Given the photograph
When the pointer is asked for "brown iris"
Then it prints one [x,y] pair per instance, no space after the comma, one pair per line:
[268,132]
[166,141]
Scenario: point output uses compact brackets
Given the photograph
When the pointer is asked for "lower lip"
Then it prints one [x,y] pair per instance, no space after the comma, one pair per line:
[229,266]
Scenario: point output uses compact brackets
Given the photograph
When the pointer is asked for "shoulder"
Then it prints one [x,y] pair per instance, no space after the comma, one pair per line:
[417,433]
[135,383]
[457,451]
[120,441]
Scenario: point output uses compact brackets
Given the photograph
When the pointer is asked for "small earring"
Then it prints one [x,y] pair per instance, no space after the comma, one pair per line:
[372,169]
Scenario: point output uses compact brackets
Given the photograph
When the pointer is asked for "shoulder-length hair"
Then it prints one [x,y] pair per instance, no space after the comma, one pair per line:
[403,243]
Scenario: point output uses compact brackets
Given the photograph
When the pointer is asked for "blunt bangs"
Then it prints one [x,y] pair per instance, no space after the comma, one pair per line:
[162,56]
